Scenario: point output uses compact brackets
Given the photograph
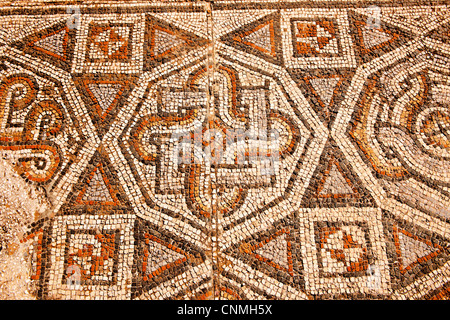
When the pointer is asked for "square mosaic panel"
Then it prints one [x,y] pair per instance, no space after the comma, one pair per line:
[232,150]
[91,257]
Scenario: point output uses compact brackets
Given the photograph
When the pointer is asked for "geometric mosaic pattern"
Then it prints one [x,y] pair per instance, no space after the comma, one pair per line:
[93,107]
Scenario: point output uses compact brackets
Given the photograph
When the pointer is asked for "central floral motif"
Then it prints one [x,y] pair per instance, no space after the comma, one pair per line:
[214,147]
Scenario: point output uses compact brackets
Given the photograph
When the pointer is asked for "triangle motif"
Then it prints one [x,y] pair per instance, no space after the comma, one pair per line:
[193,22]
[228,20]
[373,37]
[53,44]
[13,29]
[276,251]
[165,41]
[335,184]
[97,190]
[160,256]
[324,87]
[261,38]
[105,94]
[413,250]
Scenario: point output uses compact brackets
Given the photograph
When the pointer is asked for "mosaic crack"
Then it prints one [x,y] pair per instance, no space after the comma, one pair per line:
[151,129]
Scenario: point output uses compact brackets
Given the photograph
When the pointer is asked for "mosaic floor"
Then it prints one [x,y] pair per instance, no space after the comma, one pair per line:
[231,150]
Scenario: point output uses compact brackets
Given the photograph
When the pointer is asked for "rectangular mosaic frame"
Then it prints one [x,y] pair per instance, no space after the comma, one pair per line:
[103,154]
[64,226]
